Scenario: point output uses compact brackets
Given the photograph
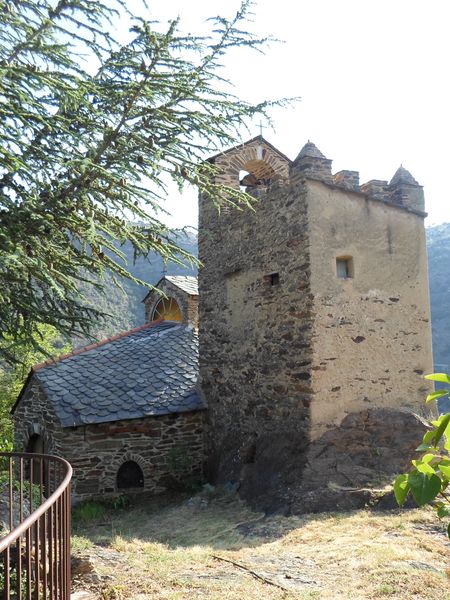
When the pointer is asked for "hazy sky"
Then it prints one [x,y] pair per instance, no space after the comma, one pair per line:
[372,75]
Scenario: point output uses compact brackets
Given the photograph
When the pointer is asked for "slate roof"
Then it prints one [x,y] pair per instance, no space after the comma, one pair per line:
[149,371]
[187,283]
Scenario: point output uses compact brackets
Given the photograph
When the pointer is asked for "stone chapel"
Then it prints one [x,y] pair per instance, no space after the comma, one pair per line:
[314,334]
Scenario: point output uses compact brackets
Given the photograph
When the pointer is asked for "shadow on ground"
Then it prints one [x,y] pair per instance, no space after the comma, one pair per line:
[219,520]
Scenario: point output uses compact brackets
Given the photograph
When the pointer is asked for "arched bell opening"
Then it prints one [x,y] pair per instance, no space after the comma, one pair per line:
[256,175]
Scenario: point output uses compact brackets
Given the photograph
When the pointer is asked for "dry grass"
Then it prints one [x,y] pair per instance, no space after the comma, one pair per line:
[169,553]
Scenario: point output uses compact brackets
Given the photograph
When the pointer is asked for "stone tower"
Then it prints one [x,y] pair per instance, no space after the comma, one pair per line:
[314,328]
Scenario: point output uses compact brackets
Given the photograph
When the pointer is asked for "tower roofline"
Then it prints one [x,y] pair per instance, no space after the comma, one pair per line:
[247,143]
[367,196]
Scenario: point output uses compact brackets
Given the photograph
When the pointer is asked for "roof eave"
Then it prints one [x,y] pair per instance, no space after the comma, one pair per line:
[22,391]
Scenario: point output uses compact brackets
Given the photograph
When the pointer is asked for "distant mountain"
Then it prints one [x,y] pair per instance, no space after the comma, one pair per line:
[438,242]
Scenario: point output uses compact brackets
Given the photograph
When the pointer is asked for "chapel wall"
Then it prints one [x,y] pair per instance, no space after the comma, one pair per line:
[34,415]
[169,448]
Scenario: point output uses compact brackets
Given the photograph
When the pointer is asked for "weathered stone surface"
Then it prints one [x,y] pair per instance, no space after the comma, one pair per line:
[343,469]
[168,448]
[292,353]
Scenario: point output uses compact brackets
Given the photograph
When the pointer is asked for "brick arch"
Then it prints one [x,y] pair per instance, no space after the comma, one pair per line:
[121,458]
[256,157]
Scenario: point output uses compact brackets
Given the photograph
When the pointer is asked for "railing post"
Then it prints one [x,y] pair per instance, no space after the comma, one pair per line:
[35,553]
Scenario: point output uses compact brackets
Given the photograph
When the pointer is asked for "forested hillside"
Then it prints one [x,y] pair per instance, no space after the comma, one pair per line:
[438,240]
[125,307]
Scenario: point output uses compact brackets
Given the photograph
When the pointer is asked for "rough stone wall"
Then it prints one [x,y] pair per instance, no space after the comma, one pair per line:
[255,328]
[188,304]
[371,336]
[168,448]
[35,415]
[310,379]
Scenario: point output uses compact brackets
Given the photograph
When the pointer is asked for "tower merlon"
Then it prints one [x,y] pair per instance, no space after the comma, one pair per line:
[347,179]
[311,163]
[375,188]
[405,191]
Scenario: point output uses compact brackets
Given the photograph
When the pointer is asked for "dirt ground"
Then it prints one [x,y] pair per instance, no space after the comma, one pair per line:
[215,547]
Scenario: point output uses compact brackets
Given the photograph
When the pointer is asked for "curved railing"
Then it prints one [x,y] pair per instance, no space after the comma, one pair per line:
[34,527]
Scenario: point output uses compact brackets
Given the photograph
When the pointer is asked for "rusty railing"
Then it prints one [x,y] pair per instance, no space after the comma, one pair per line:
[34,527]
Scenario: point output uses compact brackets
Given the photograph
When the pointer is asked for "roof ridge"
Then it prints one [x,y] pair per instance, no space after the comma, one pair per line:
[246,143]
[113,338]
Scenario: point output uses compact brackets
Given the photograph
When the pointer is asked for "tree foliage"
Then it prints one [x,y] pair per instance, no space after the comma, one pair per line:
[13,377]
[429,478]
[90,132]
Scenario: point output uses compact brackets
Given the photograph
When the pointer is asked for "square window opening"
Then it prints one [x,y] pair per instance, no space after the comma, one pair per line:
[344,267]
[274,279]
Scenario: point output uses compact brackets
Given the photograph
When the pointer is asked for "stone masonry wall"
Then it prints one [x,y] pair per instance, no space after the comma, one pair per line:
[168,448]
[255,331]
[35,415]
[188,304]
[310,379]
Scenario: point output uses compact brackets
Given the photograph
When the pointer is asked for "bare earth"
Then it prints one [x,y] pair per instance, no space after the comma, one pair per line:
[216,548]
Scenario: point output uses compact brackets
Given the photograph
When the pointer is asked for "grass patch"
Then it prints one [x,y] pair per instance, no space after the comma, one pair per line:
[80,543]
[89,511]
[174,551]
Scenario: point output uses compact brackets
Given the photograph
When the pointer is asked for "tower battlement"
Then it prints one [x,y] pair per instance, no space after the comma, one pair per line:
[264,164]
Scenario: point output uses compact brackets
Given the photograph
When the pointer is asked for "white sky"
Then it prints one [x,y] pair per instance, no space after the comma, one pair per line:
[372,75]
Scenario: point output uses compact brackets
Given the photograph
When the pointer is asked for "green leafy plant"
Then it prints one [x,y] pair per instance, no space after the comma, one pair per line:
[90,510]
[429,478]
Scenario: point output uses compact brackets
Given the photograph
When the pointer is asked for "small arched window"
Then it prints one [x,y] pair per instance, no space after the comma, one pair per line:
[130,475]
[167,309]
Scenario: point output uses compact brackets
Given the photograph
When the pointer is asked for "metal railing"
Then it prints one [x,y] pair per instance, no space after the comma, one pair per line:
[34,527]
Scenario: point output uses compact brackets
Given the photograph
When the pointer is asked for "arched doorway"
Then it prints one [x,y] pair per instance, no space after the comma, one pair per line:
[130,475]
